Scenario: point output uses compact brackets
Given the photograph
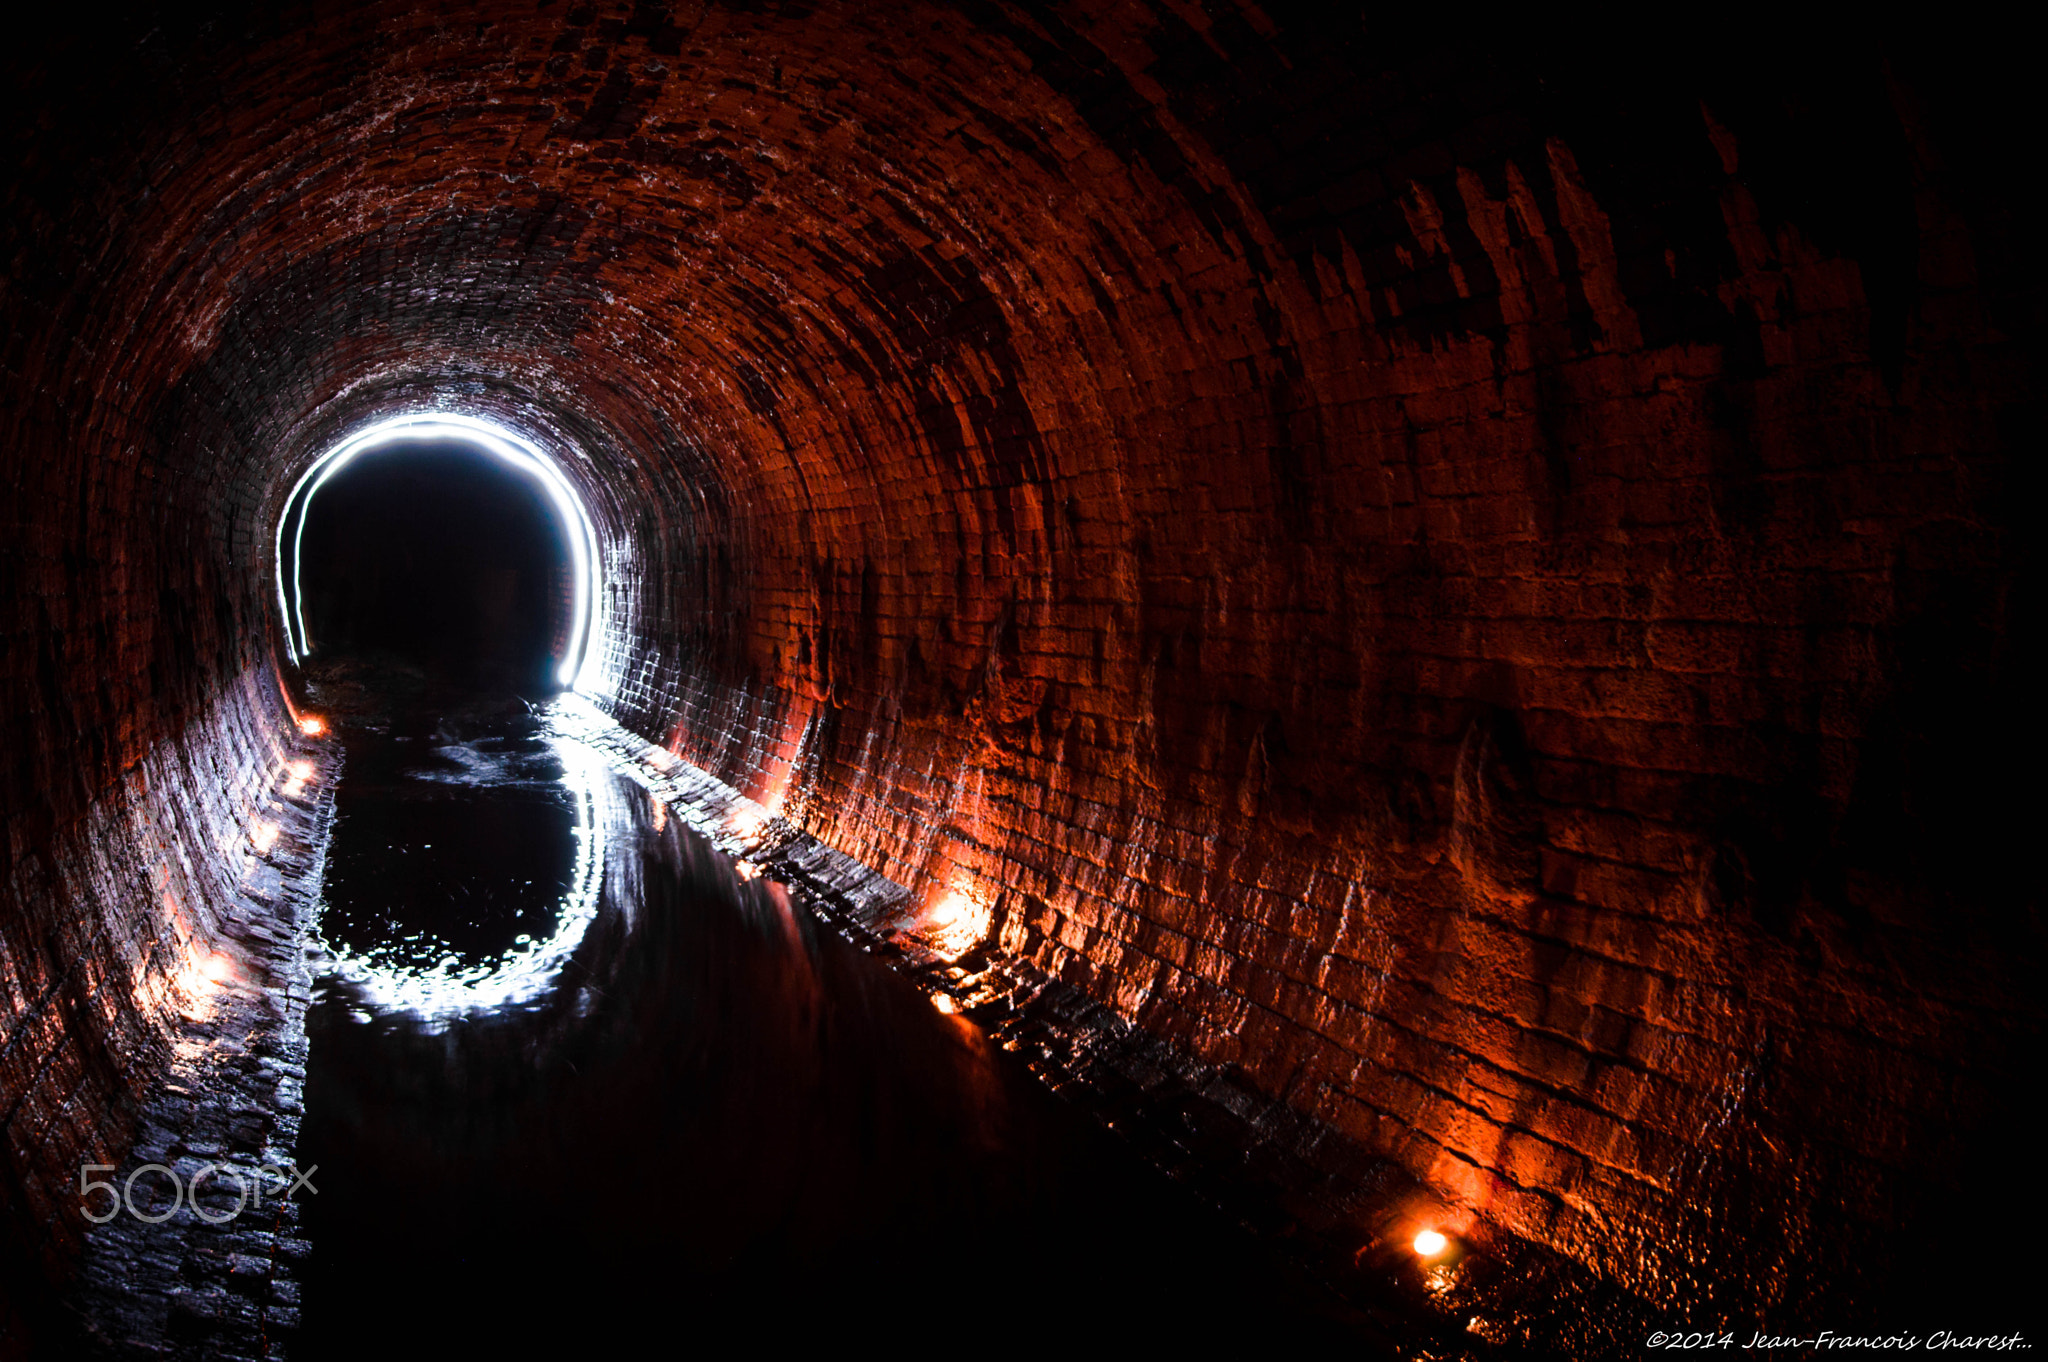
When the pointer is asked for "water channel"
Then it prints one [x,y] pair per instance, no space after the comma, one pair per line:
[577,1085]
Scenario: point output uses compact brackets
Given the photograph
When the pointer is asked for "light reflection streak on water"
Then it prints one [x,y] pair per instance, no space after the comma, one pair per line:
[520,975]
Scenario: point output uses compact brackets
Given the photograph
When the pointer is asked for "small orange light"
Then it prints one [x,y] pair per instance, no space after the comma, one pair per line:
[312,725]
[945,1003]
[264,835]
[1429,1244]
[954,924]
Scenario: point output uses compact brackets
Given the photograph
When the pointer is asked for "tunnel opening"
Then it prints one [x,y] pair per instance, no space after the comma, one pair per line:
[440,550]
[428,557]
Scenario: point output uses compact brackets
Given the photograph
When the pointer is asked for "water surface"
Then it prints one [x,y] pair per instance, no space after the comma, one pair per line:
[576,1085]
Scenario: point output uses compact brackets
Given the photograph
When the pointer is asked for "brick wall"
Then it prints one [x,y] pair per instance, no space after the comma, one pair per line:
[1477,585]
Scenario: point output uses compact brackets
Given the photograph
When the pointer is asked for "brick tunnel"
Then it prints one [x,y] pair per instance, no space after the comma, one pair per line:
[1445,613]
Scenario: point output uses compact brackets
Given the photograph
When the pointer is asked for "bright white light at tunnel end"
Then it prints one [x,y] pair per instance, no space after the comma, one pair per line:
[579,666]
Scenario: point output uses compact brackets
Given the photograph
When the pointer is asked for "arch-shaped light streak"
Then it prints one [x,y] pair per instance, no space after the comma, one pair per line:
[517,452]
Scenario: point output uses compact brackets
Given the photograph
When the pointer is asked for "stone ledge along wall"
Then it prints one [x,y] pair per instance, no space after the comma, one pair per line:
[1474,582]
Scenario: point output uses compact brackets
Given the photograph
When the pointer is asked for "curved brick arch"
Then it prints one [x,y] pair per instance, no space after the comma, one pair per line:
[1471,589]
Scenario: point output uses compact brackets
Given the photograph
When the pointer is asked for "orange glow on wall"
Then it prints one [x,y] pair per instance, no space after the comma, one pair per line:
[954,925]
[204,974]
[312,725]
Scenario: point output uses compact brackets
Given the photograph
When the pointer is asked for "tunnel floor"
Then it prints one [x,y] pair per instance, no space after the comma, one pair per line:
[577,1082]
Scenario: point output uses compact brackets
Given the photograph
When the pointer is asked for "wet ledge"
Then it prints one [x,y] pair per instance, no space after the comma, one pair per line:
[221,1283]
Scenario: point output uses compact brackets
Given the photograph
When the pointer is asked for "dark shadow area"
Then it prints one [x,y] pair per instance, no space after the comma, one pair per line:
[437,557]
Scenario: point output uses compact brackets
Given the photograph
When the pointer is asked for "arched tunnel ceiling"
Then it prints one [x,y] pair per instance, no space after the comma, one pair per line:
[1464,582]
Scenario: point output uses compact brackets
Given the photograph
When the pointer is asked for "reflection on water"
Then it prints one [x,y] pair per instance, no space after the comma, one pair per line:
[695,1111]
[465,869]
